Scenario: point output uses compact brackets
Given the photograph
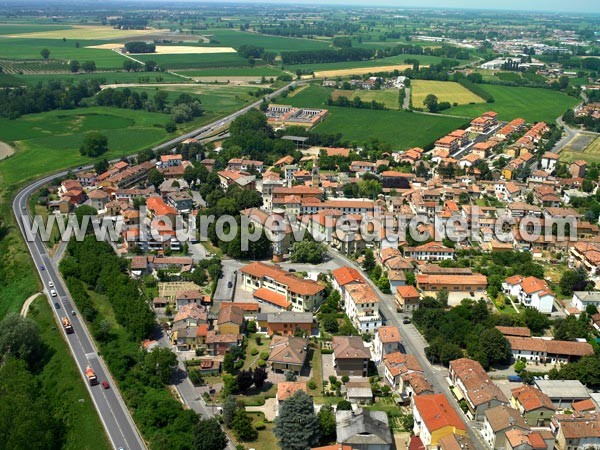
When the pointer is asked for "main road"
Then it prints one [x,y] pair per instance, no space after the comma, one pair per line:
[114,415]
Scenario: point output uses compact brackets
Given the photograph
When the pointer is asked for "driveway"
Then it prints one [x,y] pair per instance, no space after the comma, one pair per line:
[328,369]
[269,409]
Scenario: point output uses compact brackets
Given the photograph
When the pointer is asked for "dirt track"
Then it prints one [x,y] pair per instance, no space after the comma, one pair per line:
[5,150]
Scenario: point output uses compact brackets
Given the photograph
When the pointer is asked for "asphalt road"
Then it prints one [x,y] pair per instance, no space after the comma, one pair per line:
[111,408]
[116,419]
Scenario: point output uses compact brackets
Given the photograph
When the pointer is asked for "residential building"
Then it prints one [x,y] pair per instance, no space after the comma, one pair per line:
[531,292]
[344,276]
[359,392]
[498,421]
[350,356]
[286,323]
[582,299]
[475,386]
[398,364]
[283,289]
[576,431]
[243,180]
[456,442]
[578,168]
[362,307]
[363,429]
[219,344]
[286,389]
[98,199]
[452,283]
[387,340]
[514,331]
[431,251]
[484,123]
[563,393]
[519,439]
[230,319]
[288,353]
[276,228]
[586,255]
[547,350]
[407,298]
[434,419]
[549,161]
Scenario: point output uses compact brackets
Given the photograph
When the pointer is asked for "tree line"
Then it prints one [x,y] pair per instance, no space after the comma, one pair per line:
[355,103]
[327,55]
[140,47]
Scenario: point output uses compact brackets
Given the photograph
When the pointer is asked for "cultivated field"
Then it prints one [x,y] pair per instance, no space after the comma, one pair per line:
[389,97]
[532,104]
[400,129]
[233,72]
[169,49]
[5,150]
[375,65]
[445,91]
[195,61]
[80,32]
[357,71]
[584,146]
[104,77]
[235,38]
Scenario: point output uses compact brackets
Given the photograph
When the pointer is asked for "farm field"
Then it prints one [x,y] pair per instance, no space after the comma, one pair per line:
[371,63]
[22,28]
[194,61]
[235,39]
[61,380]
[106,77]
[446,91]
[532,104]
[74,32]
[389,97]
[233,72]
[401,129]
[584,146]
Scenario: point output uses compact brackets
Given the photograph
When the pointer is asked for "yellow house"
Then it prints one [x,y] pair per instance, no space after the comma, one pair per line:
[435,419]
[230,319]
[507,173]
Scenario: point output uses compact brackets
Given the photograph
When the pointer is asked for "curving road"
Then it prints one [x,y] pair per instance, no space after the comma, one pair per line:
[115,416]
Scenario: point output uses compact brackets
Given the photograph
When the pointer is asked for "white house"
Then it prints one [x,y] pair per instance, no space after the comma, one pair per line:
[581,299]
[531,292]
[549,161]
[387,340]
[362,307]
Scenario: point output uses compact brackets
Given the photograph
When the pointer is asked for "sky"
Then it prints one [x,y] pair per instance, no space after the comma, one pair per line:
[579,6]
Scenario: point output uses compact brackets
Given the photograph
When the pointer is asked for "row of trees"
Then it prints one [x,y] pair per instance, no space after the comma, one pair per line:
[355,103]
[140,47]
[327,55]
[15,102]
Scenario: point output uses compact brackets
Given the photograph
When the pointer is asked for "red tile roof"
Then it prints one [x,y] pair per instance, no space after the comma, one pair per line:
[436,412]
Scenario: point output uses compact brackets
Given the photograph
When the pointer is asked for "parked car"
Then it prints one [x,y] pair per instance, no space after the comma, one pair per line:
[406,321]
[105,384]
[229,284]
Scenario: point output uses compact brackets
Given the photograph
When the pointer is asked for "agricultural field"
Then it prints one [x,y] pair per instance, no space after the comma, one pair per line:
[532,104]
[446,91]
[235,38]
[71,32]
[105,77]
[379,64]
[233,72]
[389,97]
[583,146]
[401,129]
[194,61]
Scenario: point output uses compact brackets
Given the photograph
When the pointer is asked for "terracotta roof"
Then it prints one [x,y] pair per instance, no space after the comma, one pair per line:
[514,331]
[417,381]
[214,338]
[579,426]
[436,412]
[389,334]
[288,388]
[480,389]
[517,437]
[361,293]
[584,405]
[552,347]
[474,279]
[345,275]
[531,398]
[333,447]
[273,297]
[288,350]
[456,442]
[503,417]
[159,207]
[400,363]
[293,283]
[230,314]
[407,291]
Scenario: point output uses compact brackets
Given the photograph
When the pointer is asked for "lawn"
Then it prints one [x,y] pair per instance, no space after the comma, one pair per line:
[233,72]
[266,438]
[532,104]
[446,91]
[401,129]
[591,153]
[61,380]
[389,97]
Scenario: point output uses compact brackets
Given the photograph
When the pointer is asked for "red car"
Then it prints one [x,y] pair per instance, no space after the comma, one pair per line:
[105,384]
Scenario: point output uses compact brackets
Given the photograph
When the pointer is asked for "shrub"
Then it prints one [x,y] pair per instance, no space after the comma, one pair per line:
[254,352]
[345,379]
[261,363]
[238,365]
[312,385]
[260,425]
[264,355]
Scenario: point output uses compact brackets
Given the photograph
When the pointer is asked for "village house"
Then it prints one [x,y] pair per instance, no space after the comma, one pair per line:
[452,283]
[535,406]
[484,123]
[475,386]
[273,285]
[434,418]
[456,442]
[244,165]
[549,161]
[399,369]
[578,168]
[350,356]
[432,251]
[362,307]
[387,340]
[358,392]
[519,439]
[287,353]
[363,429]
[576,431]
[586,255]
[286,389]
[407,298]
[219,344]
[530,292]
[498,421]
[547,350]
[286,323]
[243,180]
[230,319]
[582,299]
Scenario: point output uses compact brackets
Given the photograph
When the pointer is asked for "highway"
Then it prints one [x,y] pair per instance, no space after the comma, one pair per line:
[114,415]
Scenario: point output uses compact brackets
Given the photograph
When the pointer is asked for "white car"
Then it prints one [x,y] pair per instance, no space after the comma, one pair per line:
[50,284]
[53,293]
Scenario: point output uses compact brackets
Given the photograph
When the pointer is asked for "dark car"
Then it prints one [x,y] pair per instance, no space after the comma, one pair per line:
[291,270]
[229,284]
[42,268]
[56,305]
[105,384]
[406,321]
[73,313]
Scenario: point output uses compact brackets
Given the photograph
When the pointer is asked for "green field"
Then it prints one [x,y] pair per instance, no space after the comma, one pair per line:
[195,61]
[24,48]
[446,91]
[233,72]
[20,28]
[62,382]
[234,38]
[532,104]
[389,97]
[108,77]
[391,61]
[401,129]
[590,152]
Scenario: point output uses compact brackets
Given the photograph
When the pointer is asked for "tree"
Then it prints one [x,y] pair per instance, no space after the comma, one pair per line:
[493,348]
[327,424]
[535,320]
[369,261]
[297,427]
[85,211]
[208,435]
[563,82]
[344,405]
[242,427]
[155,178]
[290,376]
[94,144]
[45,53]
[259,376]
[74,66]
[228,363]
[573,280]
[330,324]
[89,66]
[170,126]
[230,406]
[309,252]
[244,380]
[20,338]
[431,102]
[162,363]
